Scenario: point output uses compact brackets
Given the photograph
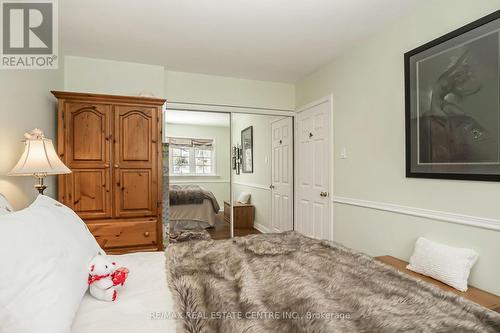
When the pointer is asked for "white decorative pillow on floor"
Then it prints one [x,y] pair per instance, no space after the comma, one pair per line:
[450,265]
[44,251]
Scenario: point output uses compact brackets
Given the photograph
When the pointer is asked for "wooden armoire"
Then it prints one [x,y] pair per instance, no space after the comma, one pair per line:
[113,145]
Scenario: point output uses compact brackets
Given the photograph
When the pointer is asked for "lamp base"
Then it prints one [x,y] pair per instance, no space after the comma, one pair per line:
[40,187]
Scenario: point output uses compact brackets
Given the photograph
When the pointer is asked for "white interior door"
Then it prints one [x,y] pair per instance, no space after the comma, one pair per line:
[314,149]
[282,175]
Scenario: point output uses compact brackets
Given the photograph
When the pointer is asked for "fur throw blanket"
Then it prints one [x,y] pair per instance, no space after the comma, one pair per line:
[292,283]
[179,236]
[191,194]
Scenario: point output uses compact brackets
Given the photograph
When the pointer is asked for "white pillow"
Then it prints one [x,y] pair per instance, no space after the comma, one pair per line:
[244,197]
[44,251]
[450,265]
[5,206]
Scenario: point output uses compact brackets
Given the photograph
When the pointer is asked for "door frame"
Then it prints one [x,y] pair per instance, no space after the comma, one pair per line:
[233,109]
[326,99]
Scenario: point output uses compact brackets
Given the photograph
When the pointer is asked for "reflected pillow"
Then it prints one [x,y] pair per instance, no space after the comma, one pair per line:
[244,197]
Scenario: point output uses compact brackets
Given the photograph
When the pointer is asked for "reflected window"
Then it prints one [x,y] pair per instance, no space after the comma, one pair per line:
[191,156]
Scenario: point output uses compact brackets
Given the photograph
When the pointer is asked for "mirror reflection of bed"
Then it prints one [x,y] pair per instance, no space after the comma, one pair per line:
[262,173]
[199,151]
[208,150]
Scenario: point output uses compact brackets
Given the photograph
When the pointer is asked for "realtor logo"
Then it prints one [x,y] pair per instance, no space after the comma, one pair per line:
[29,34]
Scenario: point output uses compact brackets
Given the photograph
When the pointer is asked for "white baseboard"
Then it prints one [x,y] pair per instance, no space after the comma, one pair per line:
[261,228]
[474,221]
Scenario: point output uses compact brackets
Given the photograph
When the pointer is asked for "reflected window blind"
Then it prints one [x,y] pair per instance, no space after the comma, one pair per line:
[191,143]
[191,156]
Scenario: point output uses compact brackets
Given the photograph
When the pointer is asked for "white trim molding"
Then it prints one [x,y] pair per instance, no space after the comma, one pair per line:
[259,186]
[195,181]
[474,221]
[227,109]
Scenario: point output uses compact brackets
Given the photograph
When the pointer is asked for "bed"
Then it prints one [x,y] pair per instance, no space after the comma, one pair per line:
[144,304]
[192,207]
[259,283]
[46,288]
[291,283]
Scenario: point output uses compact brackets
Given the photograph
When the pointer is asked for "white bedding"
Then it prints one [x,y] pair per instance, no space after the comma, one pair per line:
[145,293]
[193,215]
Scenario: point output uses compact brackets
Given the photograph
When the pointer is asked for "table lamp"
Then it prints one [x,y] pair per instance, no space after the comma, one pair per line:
[39,159]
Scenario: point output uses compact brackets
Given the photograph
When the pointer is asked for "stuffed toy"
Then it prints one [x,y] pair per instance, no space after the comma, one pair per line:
[104,276]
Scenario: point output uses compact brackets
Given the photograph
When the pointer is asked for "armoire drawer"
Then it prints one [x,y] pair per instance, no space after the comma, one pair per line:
[127,233]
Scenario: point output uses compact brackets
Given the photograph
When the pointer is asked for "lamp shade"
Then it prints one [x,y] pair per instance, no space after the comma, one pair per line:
[39,158]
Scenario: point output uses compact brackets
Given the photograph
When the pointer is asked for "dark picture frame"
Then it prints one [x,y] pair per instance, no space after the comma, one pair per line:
[452,104]
[247,150]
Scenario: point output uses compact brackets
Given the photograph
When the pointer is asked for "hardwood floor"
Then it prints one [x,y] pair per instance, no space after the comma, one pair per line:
[222,229]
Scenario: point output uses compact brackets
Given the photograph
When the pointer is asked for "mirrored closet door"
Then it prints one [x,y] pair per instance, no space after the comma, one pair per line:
[262,173]
[197,151]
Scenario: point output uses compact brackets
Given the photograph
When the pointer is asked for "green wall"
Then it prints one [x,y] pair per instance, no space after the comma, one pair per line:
[25,103]
[210,89]
[127,78]
[368,106]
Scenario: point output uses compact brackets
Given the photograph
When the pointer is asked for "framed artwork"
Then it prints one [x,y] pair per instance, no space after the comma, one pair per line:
[247,150]
[236,158]
[452,96]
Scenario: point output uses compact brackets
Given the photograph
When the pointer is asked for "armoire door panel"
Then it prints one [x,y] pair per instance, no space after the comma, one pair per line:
[136,137]
[134,193]
[90,196]
[88,135]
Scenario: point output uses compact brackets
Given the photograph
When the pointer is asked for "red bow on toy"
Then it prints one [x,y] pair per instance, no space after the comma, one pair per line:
[94,278]
[119,276]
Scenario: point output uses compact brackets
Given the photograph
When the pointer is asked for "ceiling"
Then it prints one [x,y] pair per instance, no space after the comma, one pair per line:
[274,40]
[197,118]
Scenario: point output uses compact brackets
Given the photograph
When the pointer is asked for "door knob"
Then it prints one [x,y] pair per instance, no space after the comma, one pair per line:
[271,186]
[323,194]
[310,135]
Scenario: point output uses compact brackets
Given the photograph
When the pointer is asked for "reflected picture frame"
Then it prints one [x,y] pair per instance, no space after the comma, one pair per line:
[247,150]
